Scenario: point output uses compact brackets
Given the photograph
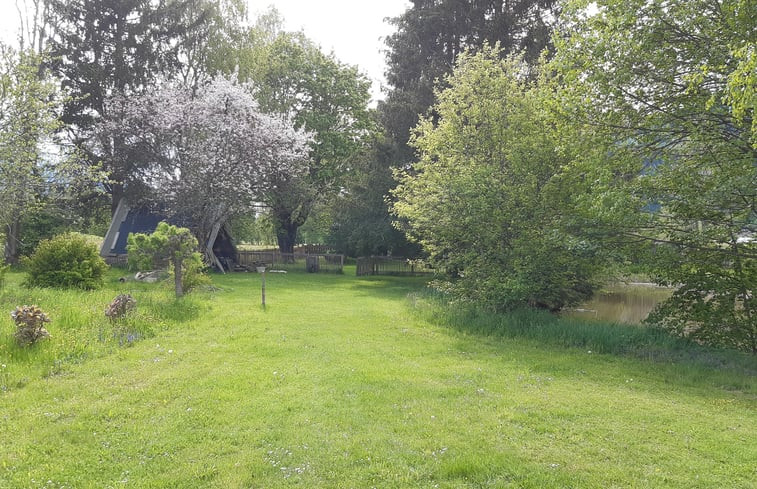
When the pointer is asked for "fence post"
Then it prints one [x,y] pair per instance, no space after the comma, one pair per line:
[261,271]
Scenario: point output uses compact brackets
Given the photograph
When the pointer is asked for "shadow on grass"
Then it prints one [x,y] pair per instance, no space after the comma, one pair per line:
[642,342]
[388,287]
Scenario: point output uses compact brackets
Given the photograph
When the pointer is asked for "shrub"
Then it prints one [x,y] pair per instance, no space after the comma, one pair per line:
[194,273]
[173,244]
[120,307]
[30,322]
[66,261]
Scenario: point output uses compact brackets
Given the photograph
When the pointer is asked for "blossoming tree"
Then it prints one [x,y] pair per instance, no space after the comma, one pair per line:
[210,151]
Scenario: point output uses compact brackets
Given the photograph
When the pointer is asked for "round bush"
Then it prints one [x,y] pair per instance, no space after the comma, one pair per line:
[66,261]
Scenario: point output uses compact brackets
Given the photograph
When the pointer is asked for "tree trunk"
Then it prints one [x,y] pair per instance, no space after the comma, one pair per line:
[177,264]
[117,193]
[11,242]
[286,235]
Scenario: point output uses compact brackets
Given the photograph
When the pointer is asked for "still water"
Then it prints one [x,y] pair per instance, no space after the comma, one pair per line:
[622,303]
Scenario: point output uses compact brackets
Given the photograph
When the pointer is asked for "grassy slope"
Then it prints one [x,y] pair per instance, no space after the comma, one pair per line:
[339,383]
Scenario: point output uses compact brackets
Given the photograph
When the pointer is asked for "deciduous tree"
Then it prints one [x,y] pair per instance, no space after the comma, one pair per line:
[665,89]
[210,152]
[27,119]
[105,48]
[293,77]
[486,199]
[360,222]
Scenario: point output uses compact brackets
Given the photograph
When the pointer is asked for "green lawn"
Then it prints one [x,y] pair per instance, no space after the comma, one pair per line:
[345,382]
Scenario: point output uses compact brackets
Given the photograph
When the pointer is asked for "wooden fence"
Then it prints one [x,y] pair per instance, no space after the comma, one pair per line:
[117,261]
[291,261]
[312,249]
[390,265]
[305,249]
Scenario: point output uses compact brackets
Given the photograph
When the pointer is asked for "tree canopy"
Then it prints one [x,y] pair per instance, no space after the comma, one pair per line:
[210,153]
[484,199]
[432,33]
[105,48]
[27,115]
[293,77]
[667,105]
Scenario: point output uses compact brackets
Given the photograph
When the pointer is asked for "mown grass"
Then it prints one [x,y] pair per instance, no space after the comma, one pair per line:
[345,382]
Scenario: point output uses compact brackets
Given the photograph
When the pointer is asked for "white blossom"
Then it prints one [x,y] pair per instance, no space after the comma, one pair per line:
[208,154]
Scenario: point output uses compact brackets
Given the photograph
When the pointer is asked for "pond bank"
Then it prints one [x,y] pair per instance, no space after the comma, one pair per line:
[627,303]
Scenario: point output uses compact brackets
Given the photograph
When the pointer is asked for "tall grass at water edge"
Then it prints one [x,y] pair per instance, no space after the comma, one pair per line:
[598,337]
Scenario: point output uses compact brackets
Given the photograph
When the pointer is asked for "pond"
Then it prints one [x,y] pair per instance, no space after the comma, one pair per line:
[622,303]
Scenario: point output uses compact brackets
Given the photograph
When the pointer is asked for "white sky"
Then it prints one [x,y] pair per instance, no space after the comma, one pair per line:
[352,29]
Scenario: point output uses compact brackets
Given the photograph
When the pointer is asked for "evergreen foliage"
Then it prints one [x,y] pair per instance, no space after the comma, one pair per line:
[66,261]
[360,222]
[102,48]
[168,244]
[430,36]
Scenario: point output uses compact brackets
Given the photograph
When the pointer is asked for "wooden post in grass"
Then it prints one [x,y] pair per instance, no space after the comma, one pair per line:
[261,271]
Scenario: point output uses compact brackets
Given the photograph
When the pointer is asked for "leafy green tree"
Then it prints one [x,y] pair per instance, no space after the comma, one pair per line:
[320,95]
[213,31]
[210,151]
[27,118]
[101,48]
[432,33]
[486,199]
[664,89]
[360,221]
[169,243]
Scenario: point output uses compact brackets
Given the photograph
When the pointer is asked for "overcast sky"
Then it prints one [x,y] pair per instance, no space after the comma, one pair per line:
[352,29]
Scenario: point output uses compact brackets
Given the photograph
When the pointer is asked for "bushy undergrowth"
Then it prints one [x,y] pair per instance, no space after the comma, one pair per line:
[66,261]
[194,273]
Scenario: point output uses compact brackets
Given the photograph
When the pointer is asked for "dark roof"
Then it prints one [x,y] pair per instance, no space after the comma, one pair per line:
[141,220]
[137,221]
[145,219]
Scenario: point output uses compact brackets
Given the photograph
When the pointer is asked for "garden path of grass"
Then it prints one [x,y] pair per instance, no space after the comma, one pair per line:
[339,383]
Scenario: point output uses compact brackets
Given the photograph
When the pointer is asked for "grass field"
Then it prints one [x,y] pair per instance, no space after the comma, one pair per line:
[346,382]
